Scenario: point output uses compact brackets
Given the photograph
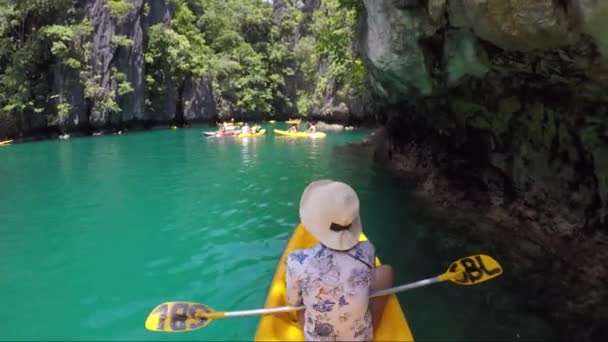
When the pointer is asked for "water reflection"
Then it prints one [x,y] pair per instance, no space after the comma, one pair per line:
[249,149]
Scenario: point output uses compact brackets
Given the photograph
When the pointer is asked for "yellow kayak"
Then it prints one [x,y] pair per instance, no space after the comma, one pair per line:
[249,135]
[301,134]
[284,326]
[294,121]
[6,142]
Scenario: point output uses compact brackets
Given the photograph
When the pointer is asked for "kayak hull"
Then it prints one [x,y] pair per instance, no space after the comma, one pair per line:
[250,135]
[6,142]
[300,134]
[284,326]
[218,134]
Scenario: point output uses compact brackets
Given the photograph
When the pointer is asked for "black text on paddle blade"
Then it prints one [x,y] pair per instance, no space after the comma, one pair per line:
[177,317]
[475,269]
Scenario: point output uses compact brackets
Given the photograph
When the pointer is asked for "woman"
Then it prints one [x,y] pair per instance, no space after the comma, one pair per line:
[293,128]
[334,278]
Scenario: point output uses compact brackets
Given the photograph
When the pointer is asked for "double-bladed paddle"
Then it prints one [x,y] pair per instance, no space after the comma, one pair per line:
[188,316]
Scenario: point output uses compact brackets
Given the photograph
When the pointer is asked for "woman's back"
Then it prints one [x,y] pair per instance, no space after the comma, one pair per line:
[334,286]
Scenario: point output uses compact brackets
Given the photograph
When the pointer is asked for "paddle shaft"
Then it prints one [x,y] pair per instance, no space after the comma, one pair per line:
[414,285]
[188,316]
[401,288]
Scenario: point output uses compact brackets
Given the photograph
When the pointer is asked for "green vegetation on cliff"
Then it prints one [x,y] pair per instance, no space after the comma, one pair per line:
[324,61]
[73,64]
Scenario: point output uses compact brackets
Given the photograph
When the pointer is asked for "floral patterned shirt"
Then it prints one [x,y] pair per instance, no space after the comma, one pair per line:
[335,287]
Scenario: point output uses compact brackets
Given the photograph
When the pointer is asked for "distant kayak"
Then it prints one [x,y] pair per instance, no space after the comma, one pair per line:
[6,142]
[293,121]
[220,134]
[249,135]
[301,134]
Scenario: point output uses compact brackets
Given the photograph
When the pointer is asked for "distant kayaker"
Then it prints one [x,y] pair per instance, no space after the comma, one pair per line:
[311,128]
[334,278]
[246,129]
[293,128]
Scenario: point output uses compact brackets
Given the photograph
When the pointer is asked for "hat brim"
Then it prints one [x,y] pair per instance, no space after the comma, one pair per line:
[320,227]
[341,241]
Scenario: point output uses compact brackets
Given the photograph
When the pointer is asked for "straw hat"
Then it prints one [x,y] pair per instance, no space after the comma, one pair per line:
[330,212]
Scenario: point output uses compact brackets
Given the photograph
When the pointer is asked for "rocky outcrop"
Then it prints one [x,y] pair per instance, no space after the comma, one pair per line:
[344,107]
[130,61]
[195,96]
[501,105]
[103,55]
[392,76]
[161,12]
[68,89]
[198,101]
[334,104]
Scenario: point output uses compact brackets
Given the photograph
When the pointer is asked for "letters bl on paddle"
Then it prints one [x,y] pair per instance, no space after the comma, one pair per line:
[475,269]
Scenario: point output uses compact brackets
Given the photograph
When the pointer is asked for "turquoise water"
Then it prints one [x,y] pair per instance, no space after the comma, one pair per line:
[98,231]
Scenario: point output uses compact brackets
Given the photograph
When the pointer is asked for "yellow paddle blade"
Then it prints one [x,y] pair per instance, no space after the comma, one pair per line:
[474,269]
[178,317]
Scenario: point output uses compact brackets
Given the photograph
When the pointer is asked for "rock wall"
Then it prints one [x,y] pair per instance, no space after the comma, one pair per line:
[332,106]
[130,60]
[502,105]
[66,81]
[107,59]
[197,101]
[103,57]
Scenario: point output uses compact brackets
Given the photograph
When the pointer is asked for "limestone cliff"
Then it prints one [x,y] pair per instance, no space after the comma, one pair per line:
[334,102]
[112,53]
[193,105]
[502,105]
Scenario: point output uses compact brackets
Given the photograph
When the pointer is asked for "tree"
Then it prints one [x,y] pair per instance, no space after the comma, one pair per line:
[174,55]
[24,57]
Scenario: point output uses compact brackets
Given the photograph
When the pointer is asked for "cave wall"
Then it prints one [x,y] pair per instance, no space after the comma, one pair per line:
[503,105]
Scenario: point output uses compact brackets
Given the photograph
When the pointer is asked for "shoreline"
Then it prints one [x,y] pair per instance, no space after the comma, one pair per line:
[55,133]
